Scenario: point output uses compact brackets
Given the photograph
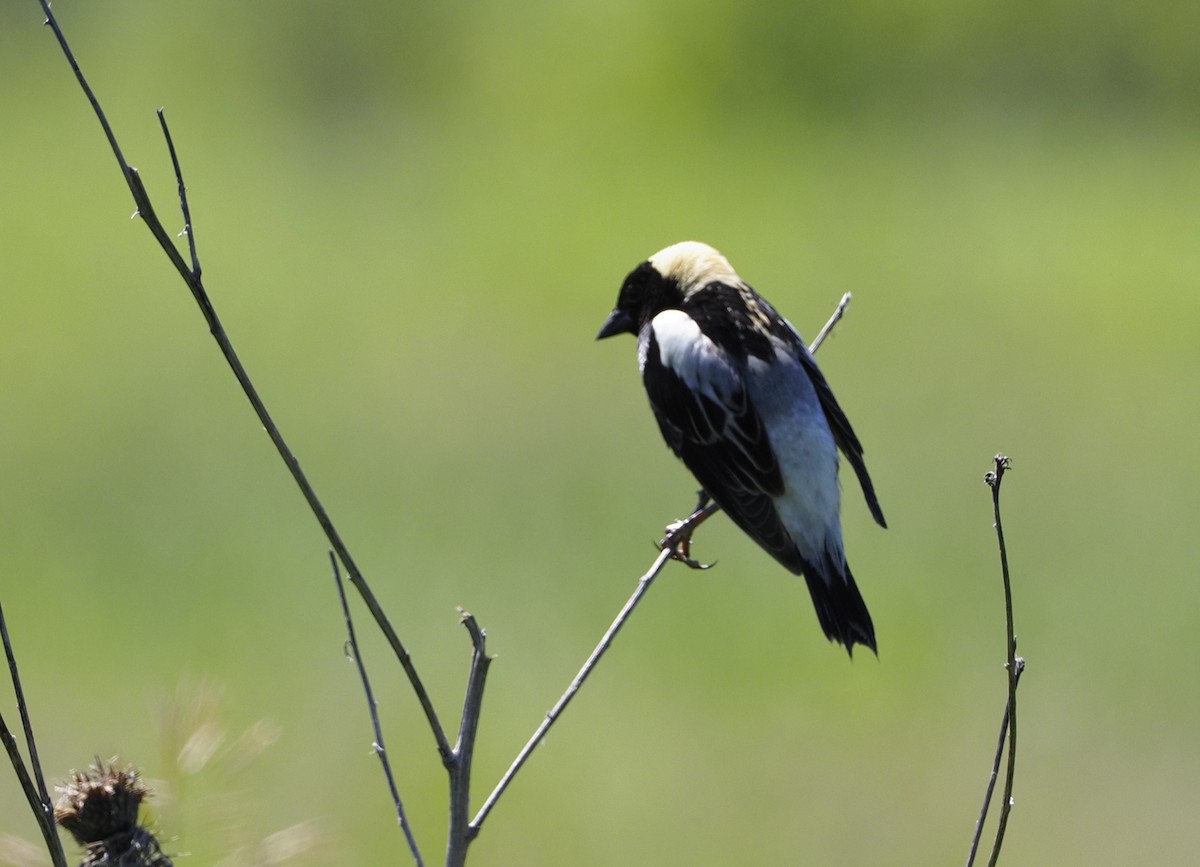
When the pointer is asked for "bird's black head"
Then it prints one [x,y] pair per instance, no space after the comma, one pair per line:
[644,294]
[633,308]
[662,282]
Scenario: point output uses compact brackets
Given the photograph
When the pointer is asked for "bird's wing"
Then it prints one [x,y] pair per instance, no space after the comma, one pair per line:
[843,433]
[700,401]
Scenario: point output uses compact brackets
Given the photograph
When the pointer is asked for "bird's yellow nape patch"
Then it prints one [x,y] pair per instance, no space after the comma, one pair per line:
[692,264]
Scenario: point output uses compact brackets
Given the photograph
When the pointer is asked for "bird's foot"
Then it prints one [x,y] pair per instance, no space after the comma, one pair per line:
[678,540]
[677,537]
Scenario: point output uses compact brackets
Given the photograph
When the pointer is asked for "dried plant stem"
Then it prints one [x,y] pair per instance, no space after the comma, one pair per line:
[589,666]
[838,313]
[34,786]
[192,277]
[1002,464]
[460,831]
[1014,665]
[373,710]
[995,774]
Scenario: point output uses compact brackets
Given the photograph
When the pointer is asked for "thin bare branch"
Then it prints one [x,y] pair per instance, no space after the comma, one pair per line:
[373,709]
[34,786]
[188,228]
[23,709]
[191,276]
[643,585]
[838,313]
[1014,666]
[995,774]
[1002,463]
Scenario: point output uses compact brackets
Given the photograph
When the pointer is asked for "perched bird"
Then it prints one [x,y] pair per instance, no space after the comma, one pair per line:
[741,401]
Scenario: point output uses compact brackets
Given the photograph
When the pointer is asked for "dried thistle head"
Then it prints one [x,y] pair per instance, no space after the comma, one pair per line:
[100,802]
[99,807]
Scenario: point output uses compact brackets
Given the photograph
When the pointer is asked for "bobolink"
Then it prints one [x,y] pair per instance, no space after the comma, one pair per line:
[741,401]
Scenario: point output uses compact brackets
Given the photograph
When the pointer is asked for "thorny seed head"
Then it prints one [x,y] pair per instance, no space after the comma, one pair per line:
[102,801]
[99,807]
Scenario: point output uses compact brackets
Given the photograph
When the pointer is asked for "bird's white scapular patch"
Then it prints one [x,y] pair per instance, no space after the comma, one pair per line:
[692,264]
[686,350]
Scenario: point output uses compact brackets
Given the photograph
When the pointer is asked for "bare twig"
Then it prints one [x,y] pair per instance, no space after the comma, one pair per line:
[833,320]
[373,709]
[1002,464]
[191,276]
[461,833]
[1015,665]
[995,774]
[23,709]
[188,228]
[668,552]
[33,786]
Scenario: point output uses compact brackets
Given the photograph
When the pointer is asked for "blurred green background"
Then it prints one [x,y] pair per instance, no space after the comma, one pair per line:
[413,218]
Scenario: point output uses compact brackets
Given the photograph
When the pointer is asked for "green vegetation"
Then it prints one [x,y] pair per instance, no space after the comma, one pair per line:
[413,218]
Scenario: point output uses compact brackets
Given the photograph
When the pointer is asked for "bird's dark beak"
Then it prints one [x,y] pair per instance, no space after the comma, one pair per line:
[618,323]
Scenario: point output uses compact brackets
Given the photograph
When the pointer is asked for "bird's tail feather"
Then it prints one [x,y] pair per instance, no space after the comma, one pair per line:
[840,607]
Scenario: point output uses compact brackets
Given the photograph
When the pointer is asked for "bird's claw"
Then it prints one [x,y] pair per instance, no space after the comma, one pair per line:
[689,562]
[677,539]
